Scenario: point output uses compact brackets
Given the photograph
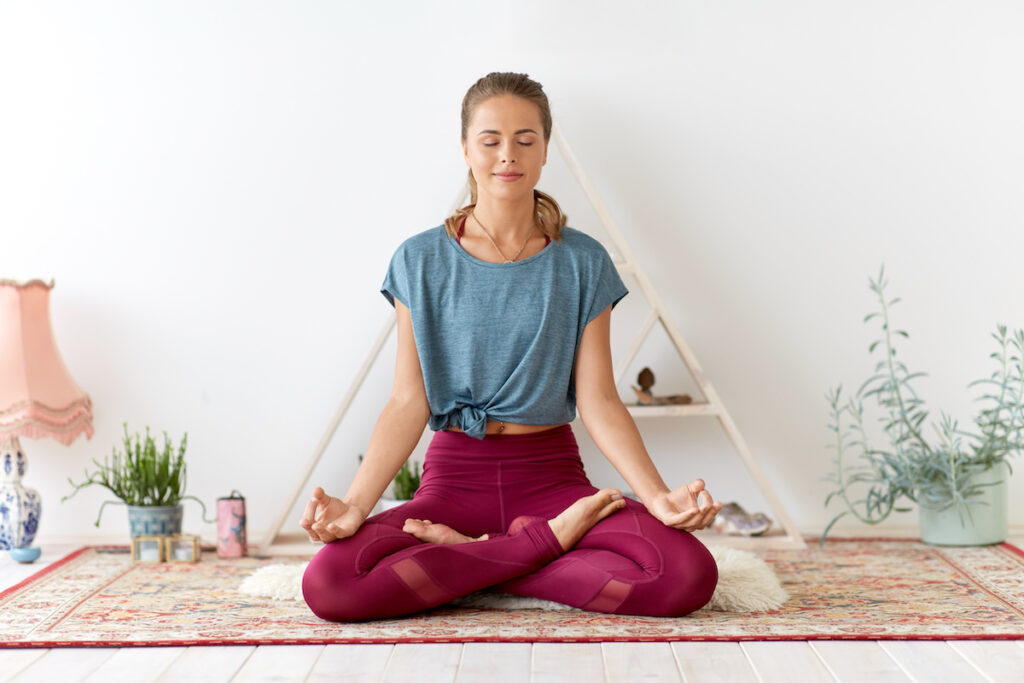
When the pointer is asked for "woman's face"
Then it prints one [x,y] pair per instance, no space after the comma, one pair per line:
[505,146]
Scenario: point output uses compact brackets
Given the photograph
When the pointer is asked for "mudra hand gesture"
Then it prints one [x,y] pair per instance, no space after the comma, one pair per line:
[327,518]
[689,507]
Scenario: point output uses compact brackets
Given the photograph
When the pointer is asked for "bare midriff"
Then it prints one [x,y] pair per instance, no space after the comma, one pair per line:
[510,428]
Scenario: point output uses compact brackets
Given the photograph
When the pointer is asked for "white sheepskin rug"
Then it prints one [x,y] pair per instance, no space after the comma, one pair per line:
[745,584]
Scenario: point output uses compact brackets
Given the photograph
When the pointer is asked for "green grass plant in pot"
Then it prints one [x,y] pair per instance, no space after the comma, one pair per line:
[404,485]
[150,482]
[957,478]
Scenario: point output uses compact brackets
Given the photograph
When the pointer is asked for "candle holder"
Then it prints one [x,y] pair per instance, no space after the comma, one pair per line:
[181,548]
[148,549]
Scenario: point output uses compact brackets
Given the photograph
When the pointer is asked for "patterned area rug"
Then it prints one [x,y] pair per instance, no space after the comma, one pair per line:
[851,589]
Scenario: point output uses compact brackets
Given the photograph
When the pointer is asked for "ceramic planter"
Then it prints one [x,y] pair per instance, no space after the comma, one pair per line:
[388,503]
[154,521]
[983,524]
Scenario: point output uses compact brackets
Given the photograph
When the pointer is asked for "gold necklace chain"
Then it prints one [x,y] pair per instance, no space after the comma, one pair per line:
[507,260]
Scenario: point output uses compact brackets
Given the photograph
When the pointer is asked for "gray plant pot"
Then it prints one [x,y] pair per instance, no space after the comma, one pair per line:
[983,524]
[154,521]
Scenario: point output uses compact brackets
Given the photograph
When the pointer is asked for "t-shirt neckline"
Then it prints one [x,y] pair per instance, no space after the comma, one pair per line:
[473,259]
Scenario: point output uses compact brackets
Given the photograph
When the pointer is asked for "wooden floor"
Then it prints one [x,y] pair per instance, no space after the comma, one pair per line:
[787,662]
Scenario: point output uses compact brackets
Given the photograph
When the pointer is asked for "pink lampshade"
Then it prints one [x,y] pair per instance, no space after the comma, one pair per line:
[38,397]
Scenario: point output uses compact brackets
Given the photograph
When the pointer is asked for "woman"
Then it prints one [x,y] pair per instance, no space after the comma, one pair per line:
[503,333]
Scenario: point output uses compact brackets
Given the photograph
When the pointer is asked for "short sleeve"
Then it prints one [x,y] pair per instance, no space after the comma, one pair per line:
[396,281]
[608,289]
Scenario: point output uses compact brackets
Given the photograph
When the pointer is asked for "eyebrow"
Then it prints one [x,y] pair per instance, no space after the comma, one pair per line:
[498,132]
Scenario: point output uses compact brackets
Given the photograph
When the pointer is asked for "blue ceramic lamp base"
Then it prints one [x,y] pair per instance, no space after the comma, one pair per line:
[25,555]
[20,506]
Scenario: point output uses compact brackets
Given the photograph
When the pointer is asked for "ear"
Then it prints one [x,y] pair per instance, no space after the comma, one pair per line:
[465,151]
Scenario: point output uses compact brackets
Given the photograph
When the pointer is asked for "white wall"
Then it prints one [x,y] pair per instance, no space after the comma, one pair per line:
[217,188]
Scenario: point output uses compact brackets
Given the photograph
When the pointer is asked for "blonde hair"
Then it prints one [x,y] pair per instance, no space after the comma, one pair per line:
[548,215]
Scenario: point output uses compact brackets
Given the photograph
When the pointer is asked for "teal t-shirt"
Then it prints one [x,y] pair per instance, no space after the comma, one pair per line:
[498,341]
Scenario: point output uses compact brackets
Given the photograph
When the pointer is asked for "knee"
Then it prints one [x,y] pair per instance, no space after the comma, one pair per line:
[327,587]
[690,578]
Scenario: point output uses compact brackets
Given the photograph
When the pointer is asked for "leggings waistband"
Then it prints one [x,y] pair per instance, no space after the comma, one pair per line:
[543,453]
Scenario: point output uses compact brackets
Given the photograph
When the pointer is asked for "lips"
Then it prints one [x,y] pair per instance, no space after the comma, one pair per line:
[508,176]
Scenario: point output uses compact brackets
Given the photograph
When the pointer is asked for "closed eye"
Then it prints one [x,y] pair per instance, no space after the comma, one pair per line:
[492,144]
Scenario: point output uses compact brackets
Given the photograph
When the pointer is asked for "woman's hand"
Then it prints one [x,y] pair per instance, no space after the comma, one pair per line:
[327,518]
[689,507]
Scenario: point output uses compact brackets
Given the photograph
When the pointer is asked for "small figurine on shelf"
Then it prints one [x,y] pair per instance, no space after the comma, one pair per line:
[644,397]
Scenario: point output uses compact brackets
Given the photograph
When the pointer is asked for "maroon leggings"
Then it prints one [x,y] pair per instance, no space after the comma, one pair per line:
[508,486]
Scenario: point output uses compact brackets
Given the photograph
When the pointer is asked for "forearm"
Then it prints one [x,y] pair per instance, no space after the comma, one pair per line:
[615,433]
[398,430]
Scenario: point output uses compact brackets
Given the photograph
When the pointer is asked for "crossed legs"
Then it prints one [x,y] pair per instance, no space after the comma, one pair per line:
[383,571]
[626,563]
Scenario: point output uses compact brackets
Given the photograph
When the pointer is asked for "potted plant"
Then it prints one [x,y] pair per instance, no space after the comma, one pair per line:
[404,485]
[958,478]
[150,482]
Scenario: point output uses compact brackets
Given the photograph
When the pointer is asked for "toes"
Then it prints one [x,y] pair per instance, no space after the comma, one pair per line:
[611,507]
[414,527]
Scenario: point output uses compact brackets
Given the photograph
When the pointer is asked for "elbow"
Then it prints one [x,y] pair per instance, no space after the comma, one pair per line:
[599,403]
[411,402]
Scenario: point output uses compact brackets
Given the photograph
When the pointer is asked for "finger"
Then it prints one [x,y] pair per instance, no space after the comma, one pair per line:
[684,496]
[308,515]
[713,512]
[315,535]
[696,486]
[704,500]
[682,518]
[708,516]
[338,530]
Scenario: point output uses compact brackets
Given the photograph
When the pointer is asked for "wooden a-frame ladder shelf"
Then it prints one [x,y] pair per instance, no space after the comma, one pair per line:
[787,536]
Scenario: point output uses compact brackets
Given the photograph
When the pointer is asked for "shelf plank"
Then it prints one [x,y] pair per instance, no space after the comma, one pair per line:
[686,409]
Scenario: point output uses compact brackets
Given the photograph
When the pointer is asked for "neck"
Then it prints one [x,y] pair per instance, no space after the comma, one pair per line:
[508,222]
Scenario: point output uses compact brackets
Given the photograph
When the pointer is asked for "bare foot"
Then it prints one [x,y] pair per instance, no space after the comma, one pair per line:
[425,530]
[577,519]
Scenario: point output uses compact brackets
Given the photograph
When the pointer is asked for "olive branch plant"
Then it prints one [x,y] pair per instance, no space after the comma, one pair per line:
[936,475]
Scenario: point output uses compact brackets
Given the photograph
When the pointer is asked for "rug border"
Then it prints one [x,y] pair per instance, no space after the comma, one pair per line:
[215,642]
[47,569]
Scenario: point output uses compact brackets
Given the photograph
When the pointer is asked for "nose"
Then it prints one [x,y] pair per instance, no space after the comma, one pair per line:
[508,153]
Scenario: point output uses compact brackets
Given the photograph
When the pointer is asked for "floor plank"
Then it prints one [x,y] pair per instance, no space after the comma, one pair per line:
[14,660]
[423,662]
[65,665]
[858,661]
[495,662]
[556,661]
[998,660]
[785,662]
[713,662]
[934,660]
[628,662]
[279,663]
[135,665]
[363,663]
[210,664]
